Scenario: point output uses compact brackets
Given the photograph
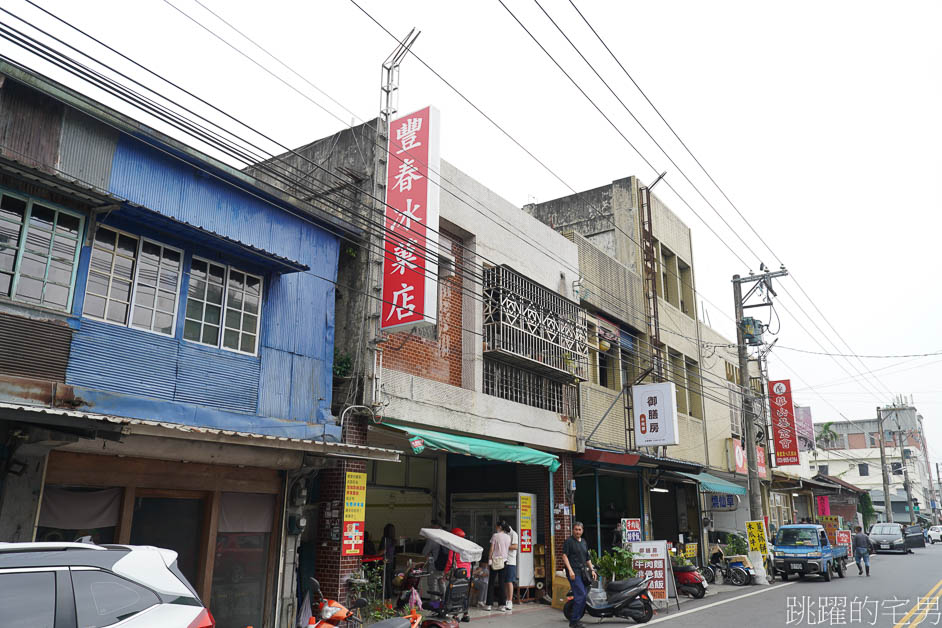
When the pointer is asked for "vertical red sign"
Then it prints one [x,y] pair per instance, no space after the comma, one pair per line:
[760,462]
[784,434]
[410,256]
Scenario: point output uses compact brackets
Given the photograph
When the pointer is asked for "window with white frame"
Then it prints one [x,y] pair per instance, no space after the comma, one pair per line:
[133,281]
[39,250]
[223,307]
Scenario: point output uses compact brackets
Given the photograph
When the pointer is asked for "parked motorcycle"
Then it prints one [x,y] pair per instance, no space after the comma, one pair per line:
[732,571]
[628,599]
[690,581]
[329,613]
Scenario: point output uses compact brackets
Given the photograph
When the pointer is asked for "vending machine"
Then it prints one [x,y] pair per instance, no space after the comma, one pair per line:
[478,513]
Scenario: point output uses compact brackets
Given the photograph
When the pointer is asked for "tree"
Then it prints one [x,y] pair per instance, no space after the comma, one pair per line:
[866,509]
[826,435]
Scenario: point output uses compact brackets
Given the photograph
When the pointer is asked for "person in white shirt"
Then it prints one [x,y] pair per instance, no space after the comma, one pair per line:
[509,575]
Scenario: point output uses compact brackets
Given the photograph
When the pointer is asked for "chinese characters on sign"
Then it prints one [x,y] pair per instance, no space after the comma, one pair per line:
[651,561]
[655,414]
[844,538]
[631,530]
[784,434]
[690,550]
[760,462]
[354,513]
[755,530]
[723,502]
[824,505]
[526,523]
[410,260]
[832,524]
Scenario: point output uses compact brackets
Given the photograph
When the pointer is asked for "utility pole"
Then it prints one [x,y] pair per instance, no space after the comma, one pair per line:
[749,427]
[887,504]
[938,486]
[902,460]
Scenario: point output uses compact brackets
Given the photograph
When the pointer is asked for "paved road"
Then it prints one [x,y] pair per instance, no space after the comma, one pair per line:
[903,591]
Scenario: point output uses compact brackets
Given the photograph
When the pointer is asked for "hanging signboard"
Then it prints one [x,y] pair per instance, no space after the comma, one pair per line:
[631,530]
[410,235]
[832,524]
[824,505]
[655,414]
[739,455]
[690,550]
[760,462]
[784,434]
[651,561]
[354,513]
[755,530]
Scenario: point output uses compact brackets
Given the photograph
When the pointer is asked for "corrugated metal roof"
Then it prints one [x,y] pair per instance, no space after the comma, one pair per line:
[69,185]
[251,439]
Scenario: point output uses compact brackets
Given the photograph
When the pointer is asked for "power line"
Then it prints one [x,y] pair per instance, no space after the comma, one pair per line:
[718,187]
[856,355]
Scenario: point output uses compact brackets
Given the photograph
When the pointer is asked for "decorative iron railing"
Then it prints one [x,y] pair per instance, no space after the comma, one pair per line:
[533,327]
[513,383]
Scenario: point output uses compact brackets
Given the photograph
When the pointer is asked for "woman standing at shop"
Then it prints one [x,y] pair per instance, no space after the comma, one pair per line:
[497,559]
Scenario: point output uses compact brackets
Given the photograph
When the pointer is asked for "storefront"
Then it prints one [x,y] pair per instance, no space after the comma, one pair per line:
[471,483]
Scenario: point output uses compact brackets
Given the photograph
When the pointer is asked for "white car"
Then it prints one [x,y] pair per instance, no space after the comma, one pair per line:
[935,534]
[67,585]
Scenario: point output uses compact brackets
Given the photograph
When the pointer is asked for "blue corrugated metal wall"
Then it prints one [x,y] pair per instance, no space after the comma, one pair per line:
[123,360]
[291,378]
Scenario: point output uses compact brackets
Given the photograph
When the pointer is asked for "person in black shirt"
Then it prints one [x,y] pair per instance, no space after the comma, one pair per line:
[576,559]
[861,547]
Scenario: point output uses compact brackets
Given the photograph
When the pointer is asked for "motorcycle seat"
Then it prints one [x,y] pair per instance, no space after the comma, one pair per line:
[393,622]
[685,568]
[622,585]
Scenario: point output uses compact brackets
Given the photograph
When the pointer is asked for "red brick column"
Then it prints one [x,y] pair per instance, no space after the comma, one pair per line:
[561,481]
[332,567]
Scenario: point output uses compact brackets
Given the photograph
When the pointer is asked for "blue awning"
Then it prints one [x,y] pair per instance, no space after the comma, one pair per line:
[712,484]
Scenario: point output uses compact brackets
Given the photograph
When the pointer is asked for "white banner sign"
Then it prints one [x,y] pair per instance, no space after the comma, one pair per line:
[655,414]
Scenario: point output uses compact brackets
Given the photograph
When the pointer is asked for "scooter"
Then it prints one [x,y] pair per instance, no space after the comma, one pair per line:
[628,599]
[408,583]
[690,581]
[329,613]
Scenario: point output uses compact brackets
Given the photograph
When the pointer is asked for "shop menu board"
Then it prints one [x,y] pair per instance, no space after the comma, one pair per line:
[651,561]
[526,523]
[354,514]
[832,524]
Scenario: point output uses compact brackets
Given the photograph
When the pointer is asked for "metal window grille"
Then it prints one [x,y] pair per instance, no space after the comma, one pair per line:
[533,326]
[533,389]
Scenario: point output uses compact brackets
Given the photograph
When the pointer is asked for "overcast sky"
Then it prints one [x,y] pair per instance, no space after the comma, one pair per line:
[821,121]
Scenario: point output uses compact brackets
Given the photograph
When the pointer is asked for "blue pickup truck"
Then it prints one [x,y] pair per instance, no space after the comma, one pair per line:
[804,549]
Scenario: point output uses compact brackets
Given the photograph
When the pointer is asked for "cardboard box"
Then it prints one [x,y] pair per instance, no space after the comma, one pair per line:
[560,590]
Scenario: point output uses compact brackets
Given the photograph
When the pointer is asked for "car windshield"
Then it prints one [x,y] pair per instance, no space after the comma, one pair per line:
[796,536]
[885,528]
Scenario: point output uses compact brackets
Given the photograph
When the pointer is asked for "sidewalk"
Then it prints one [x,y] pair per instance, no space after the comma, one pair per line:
[536,615]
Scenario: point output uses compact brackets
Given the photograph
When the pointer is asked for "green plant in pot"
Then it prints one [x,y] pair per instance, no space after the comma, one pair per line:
[616,564]
[735,545]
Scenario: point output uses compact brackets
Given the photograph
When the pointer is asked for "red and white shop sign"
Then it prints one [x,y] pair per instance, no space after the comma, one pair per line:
[760,462]
[740,456]
[410,241]
[784,434]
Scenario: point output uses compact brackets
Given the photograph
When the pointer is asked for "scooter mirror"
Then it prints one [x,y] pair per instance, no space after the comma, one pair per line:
[360,603]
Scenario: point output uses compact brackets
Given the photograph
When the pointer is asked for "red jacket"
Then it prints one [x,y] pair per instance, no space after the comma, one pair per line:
[455,559]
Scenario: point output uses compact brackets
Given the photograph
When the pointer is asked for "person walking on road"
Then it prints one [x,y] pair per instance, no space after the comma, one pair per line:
[862,547]
[580,572]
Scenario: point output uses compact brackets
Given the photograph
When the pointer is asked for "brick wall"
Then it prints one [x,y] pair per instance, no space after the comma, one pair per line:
[533,479]
[332,567]
[434,355]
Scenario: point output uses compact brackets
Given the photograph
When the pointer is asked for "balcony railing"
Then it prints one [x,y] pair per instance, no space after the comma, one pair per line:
[533,389]
[533,327]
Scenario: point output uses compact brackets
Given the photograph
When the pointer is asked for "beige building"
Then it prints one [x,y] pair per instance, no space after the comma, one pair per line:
[607,225]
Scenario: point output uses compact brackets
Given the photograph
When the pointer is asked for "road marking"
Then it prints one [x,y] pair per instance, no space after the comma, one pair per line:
[907,616]
[732,599]
[927,606]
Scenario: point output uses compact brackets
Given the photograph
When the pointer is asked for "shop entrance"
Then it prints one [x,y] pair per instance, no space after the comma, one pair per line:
[172,522]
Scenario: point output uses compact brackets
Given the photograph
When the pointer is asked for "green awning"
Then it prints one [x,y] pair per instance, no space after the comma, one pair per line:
[477,447]
[712,484]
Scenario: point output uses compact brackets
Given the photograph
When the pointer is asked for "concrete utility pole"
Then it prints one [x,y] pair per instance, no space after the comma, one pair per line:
[902,460]
[938,487]
[887,504]
[749,427]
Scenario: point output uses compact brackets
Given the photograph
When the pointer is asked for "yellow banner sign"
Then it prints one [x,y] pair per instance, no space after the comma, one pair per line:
[755,530]
[354,501]
[690,550]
